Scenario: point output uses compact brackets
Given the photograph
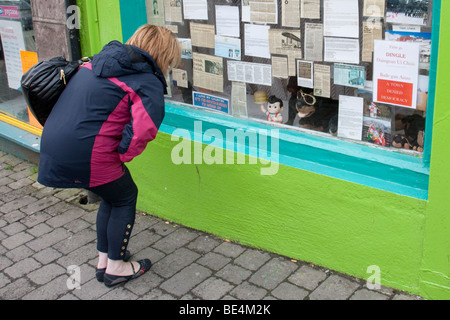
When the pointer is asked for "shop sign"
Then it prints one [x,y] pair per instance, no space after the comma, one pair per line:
[9,12]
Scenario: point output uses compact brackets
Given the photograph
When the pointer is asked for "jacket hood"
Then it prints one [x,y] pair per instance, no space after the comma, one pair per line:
[117,59]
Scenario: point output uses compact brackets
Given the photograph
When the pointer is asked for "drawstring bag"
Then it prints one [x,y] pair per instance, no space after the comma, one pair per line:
[43,83]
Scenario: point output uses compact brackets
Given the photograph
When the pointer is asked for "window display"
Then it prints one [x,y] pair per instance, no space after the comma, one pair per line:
[17,54]
[351,69]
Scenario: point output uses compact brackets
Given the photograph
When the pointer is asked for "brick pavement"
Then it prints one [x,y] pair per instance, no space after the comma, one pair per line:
[44,231]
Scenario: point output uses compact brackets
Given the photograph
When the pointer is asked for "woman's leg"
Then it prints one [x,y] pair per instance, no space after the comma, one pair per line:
[104,212]
[115,222]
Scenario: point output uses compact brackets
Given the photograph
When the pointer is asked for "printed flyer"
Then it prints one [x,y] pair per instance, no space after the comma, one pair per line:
[396,73]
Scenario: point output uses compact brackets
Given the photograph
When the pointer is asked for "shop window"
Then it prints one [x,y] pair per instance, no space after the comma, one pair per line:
[17,53]
[353,70]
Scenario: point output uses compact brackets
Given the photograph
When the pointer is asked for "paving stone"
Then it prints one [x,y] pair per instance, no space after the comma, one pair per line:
[48,239]
[4,280]
[16,289]
[77,225]
[19,253]
[229,249]
[273,273]
[157,294]
[68,296]
[252,259]
[5,181]
[403,296]
[365,294]
[79,256]
[334,287]
[65,217]
[47,255]
[39,205]
[16,194]
[21,268]
[142,240]
[17,203]
[247,291]
[203,244]
[91,290]
[46,273]
[175,240]
[307,277]
[20,183]
[162,228]
[288,291]
[75,241]
[39,229]
[144,284]
[13,228]
[234,273]
[51,290]
[5,262]
[67,194]
[16,240]
[174,262]
[212,289]
[180,284]
[119,294]
[35,219]
[147,253]
[213,260]
[13,216]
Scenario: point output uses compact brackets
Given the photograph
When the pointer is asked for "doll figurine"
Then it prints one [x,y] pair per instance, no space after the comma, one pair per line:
[274,108]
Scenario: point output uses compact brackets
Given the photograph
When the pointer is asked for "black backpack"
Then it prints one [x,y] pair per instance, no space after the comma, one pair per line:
[43,83]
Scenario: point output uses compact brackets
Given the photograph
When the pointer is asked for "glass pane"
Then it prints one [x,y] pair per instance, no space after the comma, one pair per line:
[17,52]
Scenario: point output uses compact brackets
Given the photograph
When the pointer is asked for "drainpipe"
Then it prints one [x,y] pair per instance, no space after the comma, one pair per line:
[73,30]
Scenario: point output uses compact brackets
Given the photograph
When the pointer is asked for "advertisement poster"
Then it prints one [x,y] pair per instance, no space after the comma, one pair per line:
[211,102]
[396,73]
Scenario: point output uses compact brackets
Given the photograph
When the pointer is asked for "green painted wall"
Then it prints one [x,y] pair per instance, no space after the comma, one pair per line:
[435,270]
[305,216]
[100,24]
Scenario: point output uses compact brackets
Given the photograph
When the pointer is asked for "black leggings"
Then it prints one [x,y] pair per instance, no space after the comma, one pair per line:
[116,215]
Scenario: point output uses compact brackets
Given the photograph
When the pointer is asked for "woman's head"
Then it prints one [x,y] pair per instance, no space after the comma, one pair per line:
[160,43]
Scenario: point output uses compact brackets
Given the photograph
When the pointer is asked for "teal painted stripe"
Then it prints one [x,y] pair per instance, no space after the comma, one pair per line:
[19,136]
[432,87]
[390,171]
[133,15]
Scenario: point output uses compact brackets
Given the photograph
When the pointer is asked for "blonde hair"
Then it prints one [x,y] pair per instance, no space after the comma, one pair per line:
[160,43]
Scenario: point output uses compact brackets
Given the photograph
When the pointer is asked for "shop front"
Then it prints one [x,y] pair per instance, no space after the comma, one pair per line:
[312,129]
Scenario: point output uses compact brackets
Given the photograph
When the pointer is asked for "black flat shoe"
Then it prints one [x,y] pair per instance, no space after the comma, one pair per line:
[110,280]
[100,273]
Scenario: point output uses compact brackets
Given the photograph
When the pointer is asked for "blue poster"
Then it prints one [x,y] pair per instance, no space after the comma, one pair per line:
[211,102]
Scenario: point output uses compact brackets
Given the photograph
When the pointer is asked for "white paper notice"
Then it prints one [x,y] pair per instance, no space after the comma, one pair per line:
[248,72]
[350,122]
[12,42]
[195,9]
[396,72]
[342,50]
[257,41]
[227,21]
[341,18]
